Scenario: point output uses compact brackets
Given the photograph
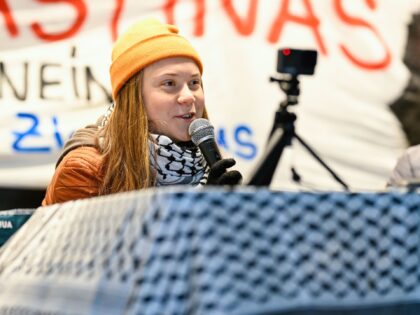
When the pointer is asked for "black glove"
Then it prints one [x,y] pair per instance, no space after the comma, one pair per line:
[219,176]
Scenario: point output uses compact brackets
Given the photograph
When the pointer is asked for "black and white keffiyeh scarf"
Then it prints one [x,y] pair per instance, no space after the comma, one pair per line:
[175,164]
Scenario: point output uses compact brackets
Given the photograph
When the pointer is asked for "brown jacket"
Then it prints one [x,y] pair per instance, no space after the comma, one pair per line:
[77,173]
[77,176]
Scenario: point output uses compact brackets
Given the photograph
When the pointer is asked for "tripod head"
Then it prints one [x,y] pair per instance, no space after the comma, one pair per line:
[291,63]
[290,86]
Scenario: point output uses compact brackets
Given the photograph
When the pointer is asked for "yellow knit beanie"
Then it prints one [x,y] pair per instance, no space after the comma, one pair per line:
[144,43]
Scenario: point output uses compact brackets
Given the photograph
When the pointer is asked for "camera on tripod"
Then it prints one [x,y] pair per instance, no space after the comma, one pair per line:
[293,62]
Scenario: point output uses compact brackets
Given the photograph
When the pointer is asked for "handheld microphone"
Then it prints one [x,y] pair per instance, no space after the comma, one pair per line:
[202,135]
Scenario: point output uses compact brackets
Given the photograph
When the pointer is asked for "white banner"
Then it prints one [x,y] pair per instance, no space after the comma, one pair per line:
[55,57]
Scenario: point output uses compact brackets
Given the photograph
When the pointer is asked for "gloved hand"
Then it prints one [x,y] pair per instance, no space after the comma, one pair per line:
[219,176]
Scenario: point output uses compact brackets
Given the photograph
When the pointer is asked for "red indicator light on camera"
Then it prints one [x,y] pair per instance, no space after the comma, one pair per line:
[286,52]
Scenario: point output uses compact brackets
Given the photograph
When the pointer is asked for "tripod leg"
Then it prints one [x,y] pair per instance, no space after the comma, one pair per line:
[264,171]
[316,156]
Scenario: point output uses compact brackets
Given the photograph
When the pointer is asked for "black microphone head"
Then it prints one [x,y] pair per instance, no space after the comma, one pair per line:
[201,130]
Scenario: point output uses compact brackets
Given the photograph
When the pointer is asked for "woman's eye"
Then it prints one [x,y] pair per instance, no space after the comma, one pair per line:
[168,83]
[195,82]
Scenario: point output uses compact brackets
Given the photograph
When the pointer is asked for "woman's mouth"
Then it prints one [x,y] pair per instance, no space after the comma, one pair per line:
[186,116]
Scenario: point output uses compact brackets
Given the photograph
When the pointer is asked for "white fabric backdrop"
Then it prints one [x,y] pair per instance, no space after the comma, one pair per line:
[55,56]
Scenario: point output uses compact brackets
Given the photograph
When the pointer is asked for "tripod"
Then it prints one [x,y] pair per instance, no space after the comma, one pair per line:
[281,136]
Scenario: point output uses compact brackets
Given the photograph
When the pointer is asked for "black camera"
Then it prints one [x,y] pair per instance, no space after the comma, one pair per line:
[296,61]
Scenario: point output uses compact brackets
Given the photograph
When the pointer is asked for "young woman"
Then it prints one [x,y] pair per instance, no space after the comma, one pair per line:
[143,140]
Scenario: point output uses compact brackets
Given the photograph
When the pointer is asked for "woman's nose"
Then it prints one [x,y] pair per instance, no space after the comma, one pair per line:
[186,96]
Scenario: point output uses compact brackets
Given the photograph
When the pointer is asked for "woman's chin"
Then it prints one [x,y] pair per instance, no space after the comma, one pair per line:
[183,139]
[180,137]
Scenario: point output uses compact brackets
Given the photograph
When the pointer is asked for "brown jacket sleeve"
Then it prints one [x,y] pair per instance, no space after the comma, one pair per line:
[83,137]
[77,176]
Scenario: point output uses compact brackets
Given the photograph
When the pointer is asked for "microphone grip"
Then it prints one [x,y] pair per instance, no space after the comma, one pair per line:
[210,151]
